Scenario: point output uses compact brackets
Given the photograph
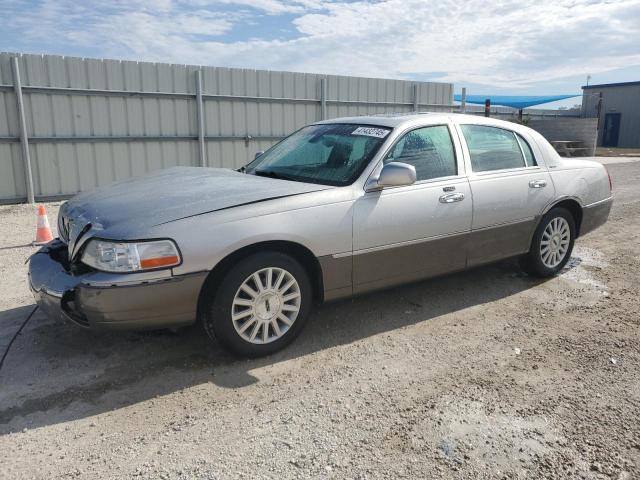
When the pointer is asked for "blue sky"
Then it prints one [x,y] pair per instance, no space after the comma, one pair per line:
[491,47]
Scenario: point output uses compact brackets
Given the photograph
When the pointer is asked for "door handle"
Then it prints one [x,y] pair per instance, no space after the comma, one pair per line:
[452,197]
[537,183]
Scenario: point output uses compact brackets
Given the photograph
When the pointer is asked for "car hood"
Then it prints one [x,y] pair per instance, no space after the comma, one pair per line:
[124,209]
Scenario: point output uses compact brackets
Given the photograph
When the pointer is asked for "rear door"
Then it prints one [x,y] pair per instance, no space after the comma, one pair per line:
[510,187]
[415,231]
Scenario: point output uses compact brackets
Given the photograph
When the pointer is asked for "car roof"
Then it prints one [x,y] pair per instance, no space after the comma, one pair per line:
[394,120]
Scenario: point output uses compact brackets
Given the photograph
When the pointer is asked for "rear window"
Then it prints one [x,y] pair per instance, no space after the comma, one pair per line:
[492,148]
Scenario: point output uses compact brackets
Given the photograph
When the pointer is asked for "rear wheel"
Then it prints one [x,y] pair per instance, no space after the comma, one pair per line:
[260,305]
[552,244]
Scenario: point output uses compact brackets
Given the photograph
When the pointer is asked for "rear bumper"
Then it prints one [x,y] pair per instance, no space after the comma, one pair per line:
[595,215]
[65,295]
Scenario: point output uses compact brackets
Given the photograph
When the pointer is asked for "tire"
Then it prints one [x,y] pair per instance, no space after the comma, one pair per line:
[227,310]
[550,248]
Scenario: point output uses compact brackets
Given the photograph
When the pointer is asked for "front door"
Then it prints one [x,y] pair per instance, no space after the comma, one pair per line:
[510,189]
[611,130]
[415,231]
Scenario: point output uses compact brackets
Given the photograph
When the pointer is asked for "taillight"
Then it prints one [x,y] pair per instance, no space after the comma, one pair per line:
[610,182]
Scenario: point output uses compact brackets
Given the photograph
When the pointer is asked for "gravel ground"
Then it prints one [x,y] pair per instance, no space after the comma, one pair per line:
[484,374]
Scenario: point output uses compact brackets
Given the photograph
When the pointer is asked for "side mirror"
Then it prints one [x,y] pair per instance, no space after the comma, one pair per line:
[258,154]
[394,174]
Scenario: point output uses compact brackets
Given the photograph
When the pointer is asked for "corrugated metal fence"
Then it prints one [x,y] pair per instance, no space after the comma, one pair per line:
[89,122]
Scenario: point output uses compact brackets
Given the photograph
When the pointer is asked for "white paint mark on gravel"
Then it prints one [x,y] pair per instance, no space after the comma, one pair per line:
[582,264]
[488,435]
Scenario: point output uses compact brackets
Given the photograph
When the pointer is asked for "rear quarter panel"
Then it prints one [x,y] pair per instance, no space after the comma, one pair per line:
[587,181]
[584,180]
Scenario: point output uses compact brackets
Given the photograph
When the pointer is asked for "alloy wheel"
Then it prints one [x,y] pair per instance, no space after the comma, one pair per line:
[554,243]
[266,305]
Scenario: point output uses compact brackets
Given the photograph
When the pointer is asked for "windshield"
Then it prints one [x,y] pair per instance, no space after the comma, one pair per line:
[330,154]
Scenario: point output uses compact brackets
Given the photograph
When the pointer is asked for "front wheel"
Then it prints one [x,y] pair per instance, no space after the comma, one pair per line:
[552,244]
[260,305]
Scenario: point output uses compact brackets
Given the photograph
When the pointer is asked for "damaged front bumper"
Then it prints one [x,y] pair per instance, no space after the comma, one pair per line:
[104,301]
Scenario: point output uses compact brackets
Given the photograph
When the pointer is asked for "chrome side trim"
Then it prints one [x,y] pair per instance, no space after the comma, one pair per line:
[504,224]
[407,243]
[605,200]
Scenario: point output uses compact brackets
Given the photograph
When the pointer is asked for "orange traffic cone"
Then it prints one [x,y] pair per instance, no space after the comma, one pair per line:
[43,231]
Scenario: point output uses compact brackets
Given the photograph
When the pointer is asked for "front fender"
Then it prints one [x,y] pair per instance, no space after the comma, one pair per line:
[323,230]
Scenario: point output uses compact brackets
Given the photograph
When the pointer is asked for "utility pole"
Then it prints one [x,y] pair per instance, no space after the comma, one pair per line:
[463,100]
[24,135]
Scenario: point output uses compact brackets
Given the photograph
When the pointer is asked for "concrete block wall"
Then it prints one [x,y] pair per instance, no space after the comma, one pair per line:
[572,129]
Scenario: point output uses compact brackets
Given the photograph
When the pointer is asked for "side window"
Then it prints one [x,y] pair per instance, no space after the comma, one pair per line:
[429,150]
[528,154]
[492,148]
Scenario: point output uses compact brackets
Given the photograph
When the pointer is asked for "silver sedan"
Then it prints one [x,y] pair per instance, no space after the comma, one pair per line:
[338,208]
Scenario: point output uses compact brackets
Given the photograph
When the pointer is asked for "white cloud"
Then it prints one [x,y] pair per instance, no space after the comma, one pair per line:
[73,20]
[501,43]
[508,44]
[271,7]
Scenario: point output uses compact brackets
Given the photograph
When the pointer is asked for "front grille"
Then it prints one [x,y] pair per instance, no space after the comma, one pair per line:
[63,228]
[59,253]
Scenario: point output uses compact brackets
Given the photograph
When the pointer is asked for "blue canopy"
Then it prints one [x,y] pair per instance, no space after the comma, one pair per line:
[514,101]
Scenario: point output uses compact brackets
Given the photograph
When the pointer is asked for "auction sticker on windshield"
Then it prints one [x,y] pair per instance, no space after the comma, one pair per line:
[371,132]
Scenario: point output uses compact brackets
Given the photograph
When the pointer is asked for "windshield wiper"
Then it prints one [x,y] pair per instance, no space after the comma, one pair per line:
[272,174]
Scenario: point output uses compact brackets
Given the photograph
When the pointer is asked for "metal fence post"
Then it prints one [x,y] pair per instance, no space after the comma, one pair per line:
[202,157]
[24,136]
[323,99]
[415,97]
[463,100]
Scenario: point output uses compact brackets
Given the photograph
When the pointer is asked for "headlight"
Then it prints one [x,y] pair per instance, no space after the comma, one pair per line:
[130,256]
